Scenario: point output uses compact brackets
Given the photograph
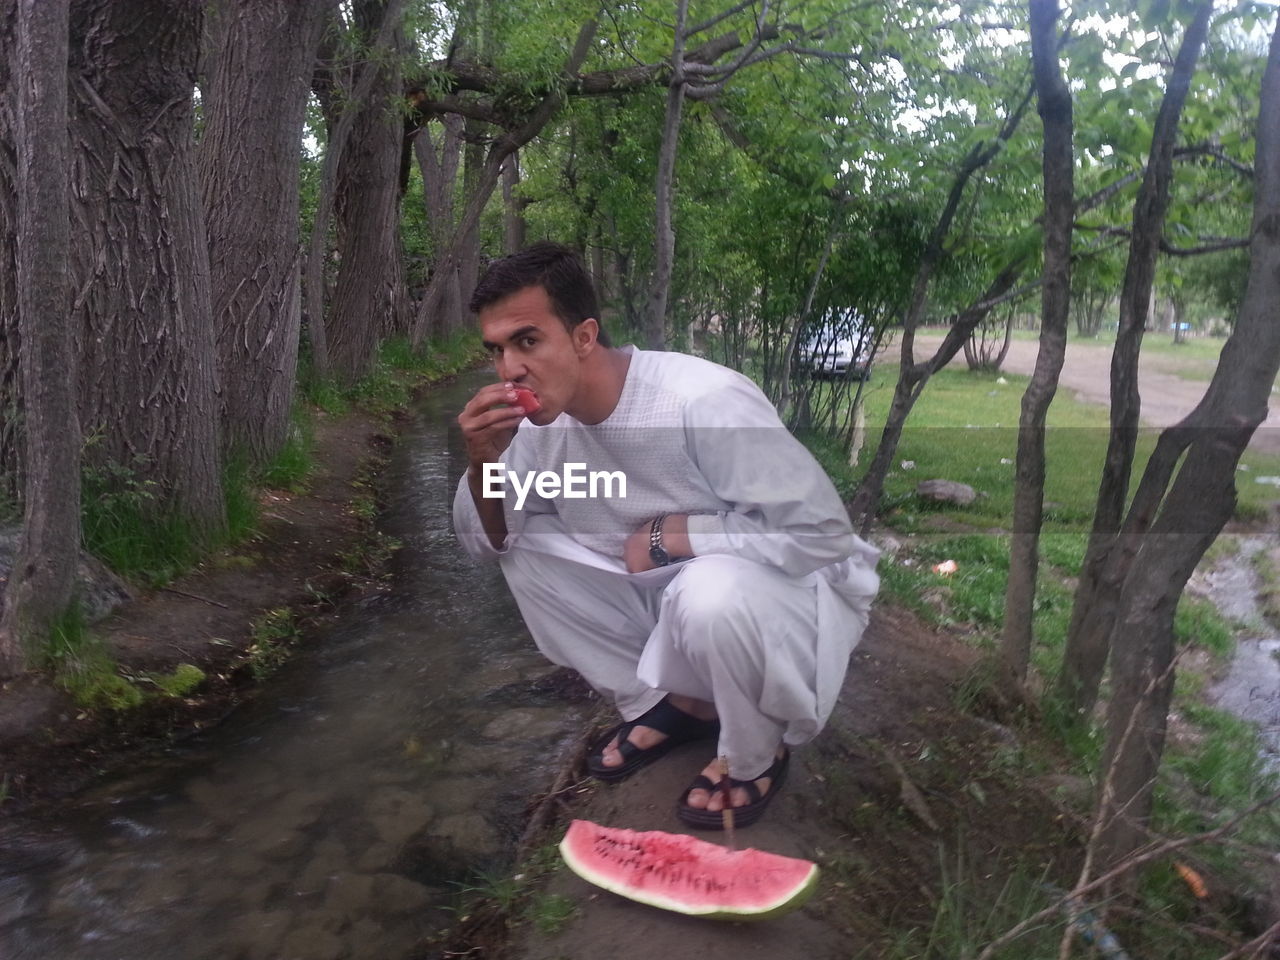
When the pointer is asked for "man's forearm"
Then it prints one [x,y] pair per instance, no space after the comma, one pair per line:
[492,517]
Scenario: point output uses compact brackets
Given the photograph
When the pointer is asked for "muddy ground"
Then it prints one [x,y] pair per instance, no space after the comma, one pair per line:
[915,786]
[896,732]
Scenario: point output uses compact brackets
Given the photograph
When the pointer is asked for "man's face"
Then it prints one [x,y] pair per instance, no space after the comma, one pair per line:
[531,348]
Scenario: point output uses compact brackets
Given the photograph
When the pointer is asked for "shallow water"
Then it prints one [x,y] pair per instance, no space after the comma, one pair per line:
[339,813]
[1250,688]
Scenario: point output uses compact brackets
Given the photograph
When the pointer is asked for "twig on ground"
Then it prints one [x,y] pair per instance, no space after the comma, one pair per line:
[1253,949]
[912,798]
[574,758]
[195,596]
[1132,862]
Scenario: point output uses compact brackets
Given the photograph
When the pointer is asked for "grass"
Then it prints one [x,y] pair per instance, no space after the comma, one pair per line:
[972,910]
[123,514]
[964,428]
[271,635]
[1266,564]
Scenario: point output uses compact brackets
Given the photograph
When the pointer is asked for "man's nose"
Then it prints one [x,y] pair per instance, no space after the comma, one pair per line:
[510,368]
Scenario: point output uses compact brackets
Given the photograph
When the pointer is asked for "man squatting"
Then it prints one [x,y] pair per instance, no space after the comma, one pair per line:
[721,597]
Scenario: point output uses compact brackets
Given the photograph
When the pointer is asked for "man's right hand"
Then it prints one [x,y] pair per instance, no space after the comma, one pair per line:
[487,429]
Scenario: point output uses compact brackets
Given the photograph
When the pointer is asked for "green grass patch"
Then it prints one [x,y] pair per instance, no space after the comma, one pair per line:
[125,526]
[185,679]
[83,667]
[271,636]
[964,428]
[293,464]
[973,909]
[1266,564]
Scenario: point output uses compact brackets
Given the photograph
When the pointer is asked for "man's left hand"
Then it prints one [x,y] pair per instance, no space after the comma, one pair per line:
[675,540]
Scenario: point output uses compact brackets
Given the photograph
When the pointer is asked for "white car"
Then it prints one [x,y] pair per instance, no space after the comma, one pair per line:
[841,342]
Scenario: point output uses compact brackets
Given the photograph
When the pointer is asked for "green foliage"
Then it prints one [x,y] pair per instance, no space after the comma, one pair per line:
[182,682]
[1198,622]
[552,912]
[125,526]
[972,909]
[271,635]
[241,500]
[83,666]
[293,463]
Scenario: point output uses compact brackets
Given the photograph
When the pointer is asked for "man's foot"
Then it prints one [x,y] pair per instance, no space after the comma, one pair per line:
[629,746]
[702,805]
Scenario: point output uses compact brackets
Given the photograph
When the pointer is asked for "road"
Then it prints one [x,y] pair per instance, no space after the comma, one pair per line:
[1166,397]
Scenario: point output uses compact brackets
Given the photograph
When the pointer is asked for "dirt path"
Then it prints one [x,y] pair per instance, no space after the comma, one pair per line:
[842,806]
[1166,397]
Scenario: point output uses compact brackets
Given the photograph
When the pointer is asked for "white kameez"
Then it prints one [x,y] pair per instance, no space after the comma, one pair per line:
[761,622]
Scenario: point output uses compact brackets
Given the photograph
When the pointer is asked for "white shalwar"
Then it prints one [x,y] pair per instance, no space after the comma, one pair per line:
[760,622]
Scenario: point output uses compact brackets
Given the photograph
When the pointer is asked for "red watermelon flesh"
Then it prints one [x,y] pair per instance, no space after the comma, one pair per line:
[526,398]
[687,875]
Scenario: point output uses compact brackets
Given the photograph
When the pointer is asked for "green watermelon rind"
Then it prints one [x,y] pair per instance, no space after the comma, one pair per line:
[785,903]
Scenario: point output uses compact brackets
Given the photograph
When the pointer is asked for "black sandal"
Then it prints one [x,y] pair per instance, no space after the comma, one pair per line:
[743,816]
[680,727]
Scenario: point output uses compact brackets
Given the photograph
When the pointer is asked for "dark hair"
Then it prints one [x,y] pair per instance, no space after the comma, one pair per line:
[555,268]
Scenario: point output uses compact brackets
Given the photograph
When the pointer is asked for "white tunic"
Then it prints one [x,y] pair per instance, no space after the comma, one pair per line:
[693,437]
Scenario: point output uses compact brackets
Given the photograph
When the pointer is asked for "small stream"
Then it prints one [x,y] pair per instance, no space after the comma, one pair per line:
[339,813]
[1250,688]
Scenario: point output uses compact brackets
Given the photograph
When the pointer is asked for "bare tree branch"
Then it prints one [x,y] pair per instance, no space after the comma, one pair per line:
[1137,859]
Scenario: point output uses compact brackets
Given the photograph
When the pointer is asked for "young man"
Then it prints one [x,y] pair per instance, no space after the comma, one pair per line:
[706,580]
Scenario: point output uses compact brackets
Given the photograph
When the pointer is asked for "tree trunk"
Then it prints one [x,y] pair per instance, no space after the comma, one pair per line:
[1028,493]
[39,591]
[367,207]
[468,257]
[140,264]
[11,437]
[1166,533]
[340,131]
[254,106]
[502,147]
[513,209]
[912,379]
[913,376]
[1097,594]
[439,177]
[664,241]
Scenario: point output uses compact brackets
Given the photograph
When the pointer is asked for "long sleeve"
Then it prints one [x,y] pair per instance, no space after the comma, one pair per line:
[466,518]
[785,511]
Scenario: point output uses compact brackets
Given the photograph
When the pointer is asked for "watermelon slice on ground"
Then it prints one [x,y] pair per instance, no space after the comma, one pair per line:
[676,872]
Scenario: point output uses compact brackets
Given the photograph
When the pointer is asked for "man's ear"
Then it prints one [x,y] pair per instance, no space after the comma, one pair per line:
[586,336]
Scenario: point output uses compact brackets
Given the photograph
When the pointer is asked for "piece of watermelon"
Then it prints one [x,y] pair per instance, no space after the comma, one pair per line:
[687,875]
[528,400]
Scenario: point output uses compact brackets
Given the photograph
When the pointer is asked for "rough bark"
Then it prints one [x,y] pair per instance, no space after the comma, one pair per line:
[502,147]
[367,207]
[439,168]
[1094,608]
[341,125]
[140,265]
[1171,524]
[1028,493]
[39,591]
[255,103]
[664,237]
[513,226]
[11,442]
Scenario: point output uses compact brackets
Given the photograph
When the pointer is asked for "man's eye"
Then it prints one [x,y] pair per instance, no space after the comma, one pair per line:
[528,341]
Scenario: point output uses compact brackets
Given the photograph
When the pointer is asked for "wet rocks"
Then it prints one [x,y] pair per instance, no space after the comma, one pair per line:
[100,591]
